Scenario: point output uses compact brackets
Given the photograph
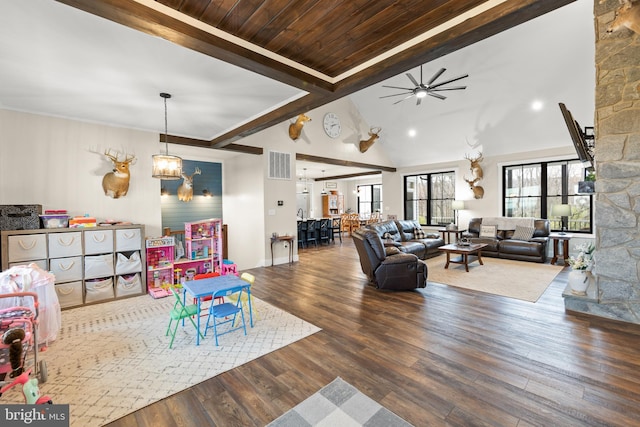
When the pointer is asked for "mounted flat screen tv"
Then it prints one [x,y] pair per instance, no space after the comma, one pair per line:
[582,139]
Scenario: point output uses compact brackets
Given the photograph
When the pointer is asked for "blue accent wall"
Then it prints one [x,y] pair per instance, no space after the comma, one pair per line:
[175,212]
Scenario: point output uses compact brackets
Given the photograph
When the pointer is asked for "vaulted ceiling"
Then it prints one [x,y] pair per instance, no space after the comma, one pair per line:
[326,48]
[239,66]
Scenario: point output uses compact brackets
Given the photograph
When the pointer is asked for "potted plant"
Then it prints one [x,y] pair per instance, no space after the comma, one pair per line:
[588,185]
[581,267]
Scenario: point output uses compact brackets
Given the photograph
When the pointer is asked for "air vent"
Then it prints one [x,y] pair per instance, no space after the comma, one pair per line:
[279,165]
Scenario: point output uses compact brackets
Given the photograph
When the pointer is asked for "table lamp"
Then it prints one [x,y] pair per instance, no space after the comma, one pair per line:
[562,211]
[457,205]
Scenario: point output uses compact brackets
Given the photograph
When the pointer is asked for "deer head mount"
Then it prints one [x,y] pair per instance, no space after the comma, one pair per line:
[477,175]
[116,183]
[185,190]
[478,190]
[374,134]
[627,15]
[295,129]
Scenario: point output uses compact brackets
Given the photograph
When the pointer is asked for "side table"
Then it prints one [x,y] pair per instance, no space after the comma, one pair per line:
[288,239]
[446,234]
[557,238]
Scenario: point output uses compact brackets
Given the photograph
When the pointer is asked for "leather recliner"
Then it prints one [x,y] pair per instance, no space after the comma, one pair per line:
[388,268]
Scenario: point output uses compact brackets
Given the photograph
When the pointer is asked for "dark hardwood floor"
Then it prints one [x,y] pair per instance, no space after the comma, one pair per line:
[439,356]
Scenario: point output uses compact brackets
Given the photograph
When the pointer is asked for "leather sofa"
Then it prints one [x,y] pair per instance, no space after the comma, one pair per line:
[402,236]
[504,246]
[387,267]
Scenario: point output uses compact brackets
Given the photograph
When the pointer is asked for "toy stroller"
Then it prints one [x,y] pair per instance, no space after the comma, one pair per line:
[18,337]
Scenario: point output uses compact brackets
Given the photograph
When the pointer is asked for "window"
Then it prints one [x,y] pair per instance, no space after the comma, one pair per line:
[531,190]
[428,198]
[369,198]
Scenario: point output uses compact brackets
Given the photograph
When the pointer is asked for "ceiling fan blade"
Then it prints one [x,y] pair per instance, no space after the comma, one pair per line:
[448,88]
[397,87]
[403,99]
[450,80]
[437,95]
[418,101]
[436,75]
[396,94]
[412,79]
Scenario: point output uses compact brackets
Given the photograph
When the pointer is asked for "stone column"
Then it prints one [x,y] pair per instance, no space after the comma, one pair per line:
[617,154]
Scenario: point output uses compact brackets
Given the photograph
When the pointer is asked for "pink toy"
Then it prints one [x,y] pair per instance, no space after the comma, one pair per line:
[30,390]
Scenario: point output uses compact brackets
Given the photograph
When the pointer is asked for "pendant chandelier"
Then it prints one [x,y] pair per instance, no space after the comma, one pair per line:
[305,190]
[324,184]
[164,165]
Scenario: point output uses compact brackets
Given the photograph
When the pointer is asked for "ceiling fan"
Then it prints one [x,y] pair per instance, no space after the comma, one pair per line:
[429,88]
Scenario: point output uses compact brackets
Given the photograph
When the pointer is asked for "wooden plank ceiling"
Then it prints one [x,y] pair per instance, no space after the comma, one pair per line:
[328,39]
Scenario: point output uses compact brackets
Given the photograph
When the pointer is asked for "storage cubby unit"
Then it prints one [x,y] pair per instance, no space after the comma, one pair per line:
[203,248]
[91,265]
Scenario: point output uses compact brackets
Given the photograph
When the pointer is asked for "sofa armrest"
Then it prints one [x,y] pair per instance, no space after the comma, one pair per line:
[539,239]
[400,258]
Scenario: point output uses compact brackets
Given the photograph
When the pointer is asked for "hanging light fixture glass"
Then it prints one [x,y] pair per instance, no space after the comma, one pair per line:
[164,165]
[305,190]
[324,184]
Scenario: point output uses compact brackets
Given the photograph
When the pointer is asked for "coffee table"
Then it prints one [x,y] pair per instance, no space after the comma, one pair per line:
[464,252]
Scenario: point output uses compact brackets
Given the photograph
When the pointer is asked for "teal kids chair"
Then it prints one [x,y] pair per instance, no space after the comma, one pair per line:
[180,312]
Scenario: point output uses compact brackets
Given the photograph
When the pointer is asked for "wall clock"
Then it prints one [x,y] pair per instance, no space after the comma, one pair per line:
[331,124]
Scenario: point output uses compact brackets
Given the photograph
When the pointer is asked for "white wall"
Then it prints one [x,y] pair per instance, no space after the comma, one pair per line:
[59,164]
[243,210]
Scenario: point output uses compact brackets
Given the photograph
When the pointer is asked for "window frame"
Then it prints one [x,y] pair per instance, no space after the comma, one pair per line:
[429,177]
[545,199]
[372,201]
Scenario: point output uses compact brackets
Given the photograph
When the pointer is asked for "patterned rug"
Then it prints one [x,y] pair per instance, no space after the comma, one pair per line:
[339,404]
[111,359]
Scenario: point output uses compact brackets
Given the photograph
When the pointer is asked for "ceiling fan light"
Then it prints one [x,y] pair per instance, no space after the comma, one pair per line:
[421,93]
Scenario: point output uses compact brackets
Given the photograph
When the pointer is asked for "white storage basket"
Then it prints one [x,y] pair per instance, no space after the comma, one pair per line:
[98,266]
[128,240]
[65,244]
[66,269]
[127,265]
[98,242]
[69,294]
[98,289]
[128,285]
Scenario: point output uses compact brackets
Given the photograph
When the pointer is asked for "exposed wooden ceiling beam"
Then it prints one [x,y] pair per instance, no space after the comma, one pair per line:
[338,162]
[351,175]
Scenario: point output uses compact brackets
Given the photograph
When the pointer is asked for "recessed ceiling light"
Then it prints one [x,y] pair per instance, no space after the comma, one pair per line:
[412,133]
[537,105]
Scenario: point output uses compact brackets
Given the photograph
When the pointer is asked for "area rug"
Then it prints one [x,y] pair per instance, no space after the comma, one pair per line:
[514,279]
[339,404]
[111,359]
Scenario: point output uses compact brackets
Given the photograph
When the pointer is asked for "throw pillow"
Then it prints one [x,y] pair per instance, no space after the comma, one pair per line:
[418,233]
[391,250]
[487,231]
[523,233]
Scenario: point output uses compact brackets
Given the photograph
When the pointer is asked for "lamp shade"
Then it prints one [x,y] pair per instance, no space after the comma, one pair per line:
[166,167]
[561,210]
[457,205]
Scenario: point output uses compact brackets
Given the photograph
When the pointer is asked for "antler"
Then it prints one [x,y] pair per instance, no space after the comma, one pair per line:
[474,159]
[109,155]
[374,131]
[128,158]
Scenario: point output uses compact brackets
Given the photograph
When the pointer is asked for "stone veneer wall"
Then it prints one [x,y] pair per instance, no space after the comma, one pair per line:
[617,206]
